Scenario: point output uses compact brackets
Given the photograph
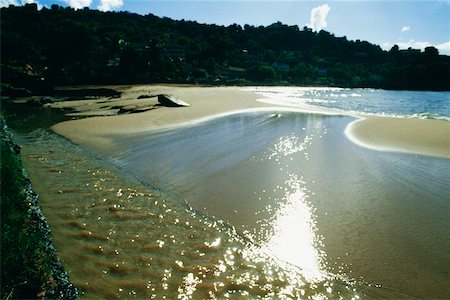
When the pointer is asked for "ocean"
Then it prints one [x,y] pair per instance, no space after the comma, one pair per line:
[410,104]
[253,205]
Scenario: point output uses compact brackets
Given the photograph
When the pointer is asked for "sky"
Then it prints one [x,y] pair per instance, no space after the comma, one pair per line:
[414,23]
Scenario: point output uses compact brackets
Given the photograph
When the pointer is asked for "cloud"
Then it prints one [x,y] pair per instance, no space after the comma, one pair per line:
[444,48]
[413,44]
[386,45]
[78,4]
[318,19]
[106,5]
[405,28]
[6,3]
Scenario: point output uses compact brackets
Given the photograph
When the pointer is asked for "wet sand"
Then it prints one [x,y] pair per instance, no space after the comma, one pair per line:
[96,133]
[425,137]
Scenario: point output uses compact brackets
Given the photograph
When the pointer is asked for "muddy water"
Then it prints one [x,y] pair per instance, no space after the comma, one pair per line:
[119,239]
[305,213]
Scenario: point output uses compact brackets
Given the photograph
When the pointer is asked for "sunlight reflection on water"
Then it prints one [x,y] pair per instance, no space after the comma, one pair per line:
[416,104]
[277,214]
[121,240]
[292,185]
[294,236]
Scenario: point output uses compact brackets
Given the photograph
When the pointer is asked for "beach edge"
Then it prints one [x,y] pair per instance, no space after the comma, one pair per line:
[382,133]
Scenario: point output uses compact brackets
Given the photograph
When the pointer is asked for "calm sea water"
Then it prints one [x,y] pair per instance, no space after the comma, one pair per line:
[419,104]
[298,189]
[255,205]
[119,239]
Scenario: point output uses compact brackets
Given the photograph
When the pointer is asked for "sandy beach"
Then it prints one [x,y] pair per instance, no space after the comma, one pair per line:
[289,182]
[425,137]
[95,133]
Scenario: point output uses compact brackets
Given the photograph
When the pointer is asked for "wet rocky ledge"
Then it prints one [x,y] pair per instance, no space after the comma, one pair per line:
[58,286]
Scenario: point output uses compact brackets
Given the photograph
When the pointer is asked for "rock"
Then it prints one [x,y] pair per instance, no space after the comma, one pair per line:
[145,96]
[41,101]
[16,148]
[170,101]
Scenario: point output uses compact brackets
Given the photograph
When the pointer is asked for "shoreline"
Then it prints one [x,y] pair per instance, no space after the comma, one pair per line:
[404,135]
[49,272]
[102,130]
[116,135]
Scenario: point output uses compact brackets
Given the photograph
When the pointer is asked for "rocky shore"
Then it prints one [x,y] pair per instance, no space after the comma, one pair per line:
[57,285]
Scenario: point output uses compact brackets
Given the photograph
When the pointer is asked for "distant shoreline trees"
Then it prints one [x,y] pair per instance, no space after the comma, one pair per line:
[62,46]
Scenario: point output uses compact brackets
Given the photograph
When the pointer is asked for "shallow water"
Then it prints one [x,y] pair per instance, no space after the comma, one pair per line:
[416,104]
[119,239]
[296,187]
[306,213]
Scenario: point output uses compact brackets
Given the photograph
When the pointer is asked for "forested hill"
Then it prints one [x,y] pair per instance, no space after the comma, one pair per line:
[62,46]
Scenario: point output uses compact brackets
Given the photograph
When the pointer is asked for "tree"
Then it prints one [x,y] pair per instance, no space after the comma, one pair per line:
[431,51]
[394,49]
[261,73]
[70,46]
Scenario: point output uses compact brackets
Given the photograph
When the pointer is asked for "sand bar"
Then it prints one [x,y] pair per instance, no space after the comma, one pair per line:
[426,137]
[101,133]
[96,132]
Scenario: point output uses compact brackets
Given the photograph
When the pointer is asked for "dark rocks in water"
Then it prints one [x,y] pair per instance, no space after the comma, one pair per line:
[16,148]
[7,138]
[170,101]
[41,101]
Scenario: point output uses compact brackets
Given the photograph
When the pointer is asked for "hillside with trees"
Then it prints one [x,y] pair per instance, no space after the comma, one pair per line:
[44,48]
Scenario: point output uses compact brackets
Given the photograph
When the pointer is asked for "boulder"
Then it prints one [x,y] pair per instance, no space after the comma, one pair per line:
[170,101]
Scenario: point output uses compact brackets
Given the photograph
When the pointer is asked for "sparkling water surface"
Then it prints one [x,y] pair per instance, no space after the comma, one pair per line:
[418,104]
[254,205]
[295,186]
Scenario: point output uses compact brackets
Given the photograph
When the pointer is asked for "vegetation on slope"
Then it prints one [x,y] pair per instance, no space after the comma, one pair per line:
[63,46]
[21,277]
[29,266]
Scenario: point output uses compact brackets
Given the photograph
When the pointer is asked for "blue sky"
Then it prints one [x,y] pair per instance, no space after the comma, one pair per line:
[413,23]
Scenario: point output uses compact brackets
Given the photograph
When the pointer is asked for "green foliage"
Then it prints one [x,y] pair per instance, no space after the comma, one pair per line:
[261,73]
[61,46]
[200,73]
[23,265]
